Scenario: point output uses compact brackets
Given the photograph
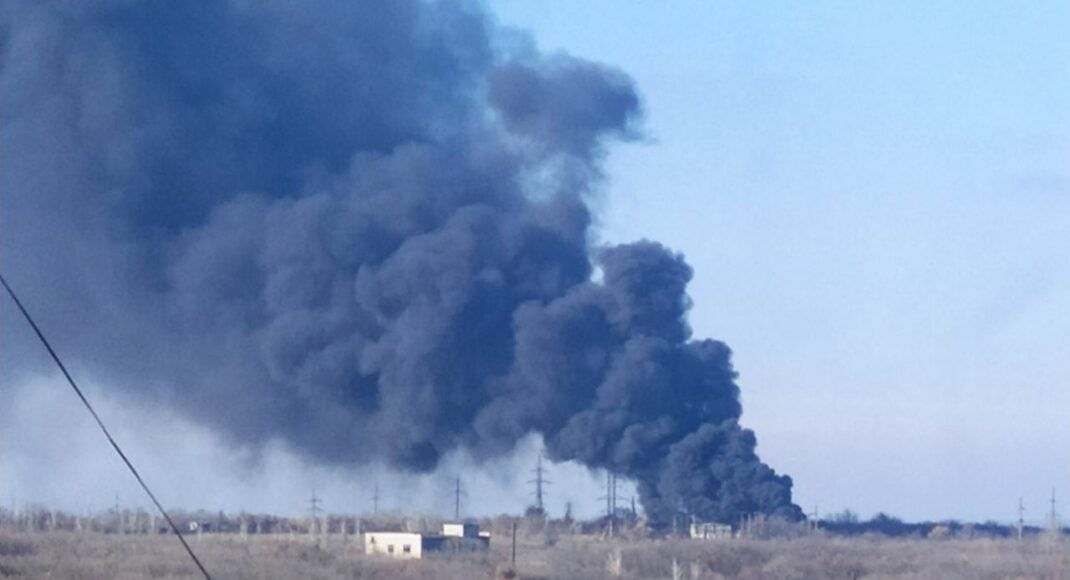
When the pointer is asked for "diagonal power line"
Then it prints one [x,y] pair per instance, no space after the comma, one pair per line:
[100,424]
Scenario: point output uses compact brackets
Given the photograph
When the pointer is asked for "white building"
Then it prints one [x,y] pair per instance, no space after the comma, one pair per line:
[454,538]
[465,530]
[710,531]
[397,544]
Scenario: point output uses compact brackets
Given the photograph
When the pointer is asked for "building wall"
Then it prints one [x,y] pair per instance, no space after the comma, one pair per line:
[402,545]
[710,531]
[455,545]
[465,530]
[411,545]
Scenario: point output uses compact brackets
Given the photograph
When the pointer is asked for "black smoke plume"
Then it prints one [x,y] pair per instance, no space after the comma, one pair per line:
[360,228]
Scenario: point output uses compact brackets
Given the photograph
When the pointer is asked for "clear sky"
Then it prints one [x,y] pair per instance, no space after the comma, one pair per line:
[876,201]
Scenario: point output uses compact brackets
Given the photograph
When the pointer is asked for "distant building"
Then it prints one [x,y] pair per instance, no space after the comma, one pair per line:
[710,531]
[402,545]
[464,530]
[454,538]
[200,526]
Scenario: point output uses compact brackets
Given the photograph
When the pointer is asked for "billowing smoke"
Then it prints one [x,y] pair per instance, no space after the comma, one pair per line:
[360,228]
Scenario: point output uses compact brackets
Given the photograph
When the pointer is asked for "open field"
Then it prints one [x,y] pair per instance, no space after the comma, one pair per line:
[102,556]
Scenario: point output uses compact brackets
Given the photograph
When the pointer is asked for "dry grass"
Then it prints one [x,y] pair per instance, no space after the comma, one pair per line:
[94,555]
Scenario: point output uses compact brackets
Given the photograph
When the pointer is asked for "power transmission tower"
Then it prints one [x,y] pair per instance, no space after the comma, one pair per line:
[1054,515]
[611,500]
[457,493]
[314,511]
[813,518]
[609,495]
[681,511]
[118,517]
[375,500]
[1021,518]
[540,482]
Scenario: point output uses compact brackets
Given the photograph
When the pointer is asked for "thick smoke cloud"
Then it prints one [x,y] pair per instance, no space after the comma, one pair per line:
[360,228]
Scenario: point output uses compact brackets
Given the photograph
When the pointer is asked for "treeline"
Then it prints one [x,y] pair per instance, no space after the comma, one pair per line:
[140,521]
[848,524]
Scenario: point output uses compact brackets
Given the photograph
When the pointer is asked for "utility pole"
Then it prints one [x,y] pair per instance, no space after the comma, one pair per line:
[375,500]
[1021,518]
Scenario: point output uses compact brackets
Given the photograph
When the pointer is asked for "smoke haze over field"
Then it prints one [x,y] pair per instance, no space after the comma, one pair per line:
[359,228]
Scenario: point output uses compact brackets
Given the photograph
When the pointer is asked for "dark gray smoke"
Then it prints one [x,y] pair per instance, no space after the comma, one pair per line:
[358,227]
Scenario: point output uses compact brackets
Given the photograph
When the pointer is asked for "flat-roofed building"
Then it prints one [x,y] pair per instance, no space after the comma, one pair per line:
[464,530]
[710,531]
[454,538]
[395,544]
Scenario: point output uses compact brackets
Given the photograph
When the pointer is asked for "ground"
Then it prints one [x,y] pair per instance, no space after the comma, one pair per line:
[106,556]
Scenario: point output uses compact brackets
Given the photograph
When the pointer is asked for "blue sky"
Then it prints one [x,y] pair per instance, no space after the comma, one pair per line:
[876,202]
